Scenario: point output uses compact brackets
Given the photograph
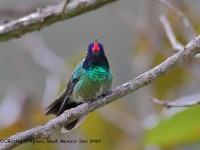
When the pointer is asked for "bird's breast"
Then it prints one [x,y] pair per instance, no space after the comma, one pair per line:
[87,88]
[97,73]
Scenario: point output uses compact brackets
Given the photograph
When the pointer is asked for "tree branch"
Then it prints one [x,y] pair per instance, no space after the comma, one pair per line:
[45,130]
[47,16]
[170,104]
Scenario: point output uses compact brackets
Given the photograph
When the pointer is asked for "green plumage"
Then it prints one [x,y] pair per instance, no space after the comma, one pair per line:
[90,79]
[91,84]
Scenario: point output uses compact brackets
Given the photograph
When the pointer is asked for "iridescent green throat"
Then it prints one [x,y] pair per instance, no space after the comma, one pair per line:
[97,73]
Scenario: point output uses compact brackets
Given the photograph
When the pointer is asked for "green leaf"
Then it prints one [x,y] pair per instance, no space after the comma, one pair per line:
[182,128]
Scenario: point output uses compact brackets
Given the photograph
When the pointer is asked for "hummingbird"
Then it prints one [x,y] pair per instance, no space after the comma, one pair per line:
[91,78]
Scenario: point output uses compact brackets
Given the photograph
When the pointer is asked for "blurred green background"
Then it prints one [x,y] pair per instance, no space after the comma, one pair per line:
[36,67]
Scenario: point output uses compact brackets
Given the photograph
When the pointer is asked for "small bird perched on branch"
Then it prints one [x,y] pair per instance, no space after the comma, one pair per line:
[90,79]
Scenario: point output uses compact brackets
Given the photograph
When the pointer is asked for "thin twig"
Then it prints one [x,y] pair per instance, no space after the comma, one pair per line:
[169,104]
[43,56]
[171,7]
[182,16]
[44,131]
[65,5]
[170,34]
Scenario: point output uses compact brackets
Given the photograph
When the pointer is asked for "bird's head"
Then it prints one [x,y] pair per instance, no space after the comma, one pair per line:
[95,56]
[95,47]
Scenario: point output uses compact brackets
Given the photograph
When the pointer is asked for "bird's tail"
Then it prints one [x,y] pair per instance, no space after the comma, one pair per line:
[59,106]
[54,108]
[73,125]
